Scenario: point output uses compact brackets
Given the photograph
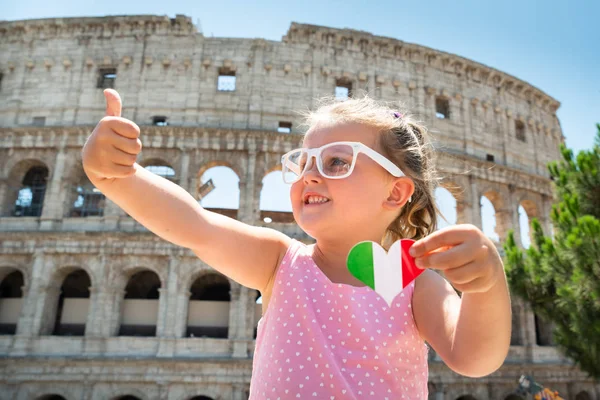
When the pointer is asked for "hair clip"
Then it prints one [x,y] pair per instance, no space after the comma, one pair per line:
[397,115]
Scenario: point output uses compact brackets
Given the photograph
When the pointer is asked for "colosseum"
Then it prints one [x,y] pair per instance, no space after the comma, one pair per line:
[95,307]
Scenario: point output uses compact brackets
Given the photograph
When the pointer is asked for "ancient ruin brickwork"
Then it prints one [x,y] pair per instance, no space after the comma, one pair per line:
[495,134]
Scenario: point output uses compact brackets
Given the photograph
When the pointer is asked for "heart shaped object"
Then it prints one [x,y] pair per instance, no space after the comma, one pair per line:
[386,273]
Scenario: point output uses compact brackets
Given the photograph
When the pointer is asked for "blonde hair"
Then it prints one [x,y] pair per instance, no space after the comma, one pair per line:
[406,143]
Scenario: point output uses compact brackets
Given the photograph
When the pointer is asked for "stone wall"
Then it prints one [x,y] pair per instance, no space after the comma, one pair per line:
[164,67]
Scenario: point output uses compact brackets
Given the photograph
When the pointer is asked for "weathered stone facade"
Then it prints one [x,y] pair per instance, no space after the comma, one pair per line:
[495,138]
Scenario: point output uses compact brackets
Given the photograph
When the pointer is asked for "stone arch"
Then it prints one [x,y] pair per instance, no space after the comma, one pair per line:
[491,205]
[257,310]
[128,271]
[447,204]
[160,167]
[583,395]
[51,397]
[223,197]
[83,198]
[201,397]
[25,188]
[72,302]
[543,331]
[527,209]
[208,310]
[12,283]
[218,163]
[274,203]
[127,397]
[139,310]
[129,393]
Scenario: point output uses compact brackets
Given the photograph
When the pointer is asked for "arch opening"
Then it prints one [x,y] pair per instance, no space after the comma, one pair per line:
[543,332]
[446,203]
[30,197]
[583,395]
[275,203]
[51,397]
[87,200]
[73,304]
[488,219]
[219,191]
[140,305]
[11,302]
[208,310]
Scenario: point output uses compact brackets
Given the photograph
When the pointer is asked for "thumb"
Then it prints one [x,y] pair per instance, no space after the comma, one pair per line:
[113,103]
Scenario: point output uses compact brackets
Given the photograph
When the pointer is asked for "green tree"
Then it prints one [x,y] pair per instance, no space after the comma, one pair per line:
[560,276]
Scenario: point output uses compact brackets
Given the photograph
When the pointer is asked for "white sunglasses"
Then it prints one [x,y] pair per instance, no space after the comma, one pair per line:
[334,161]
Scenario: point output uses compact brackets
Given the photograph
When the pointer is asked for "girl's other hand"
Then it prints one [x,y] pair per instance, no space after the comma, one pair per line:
[467,257]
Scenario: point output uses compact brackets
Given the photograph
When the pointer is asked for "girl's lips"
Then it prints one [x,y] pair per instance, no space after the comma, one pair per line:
[307,196]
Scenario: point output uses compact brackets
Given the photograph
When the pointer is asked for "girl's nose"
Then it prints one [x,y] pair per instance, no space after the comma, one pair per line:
[311,173]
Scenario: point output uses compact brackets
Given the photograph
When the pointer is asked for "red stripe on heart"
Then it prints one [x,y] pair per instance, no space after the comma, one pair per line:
[410,271]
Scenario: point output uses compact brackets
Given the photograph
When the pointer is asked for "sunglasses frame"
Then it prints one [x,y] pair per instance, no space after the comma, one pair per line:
[357,148]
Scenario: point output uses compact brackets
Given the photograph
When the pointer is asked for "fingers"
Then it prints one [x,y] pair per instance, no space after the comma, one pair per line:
[113,103]
[446,237]
[120,157]
[122,126]
[453,257]
[129,146]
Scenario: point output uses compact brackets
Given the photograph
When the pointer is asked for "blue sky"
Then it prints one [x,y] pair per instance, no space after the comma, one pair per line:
[553,45]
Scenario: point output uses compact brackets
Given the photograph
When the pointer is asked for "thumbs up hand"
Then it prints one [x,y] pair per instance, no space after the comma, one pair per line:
[111,150]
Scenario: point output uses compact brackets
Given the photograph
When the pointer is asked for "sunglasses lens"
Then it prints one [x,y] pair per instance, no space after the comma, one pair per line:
[293,165]
[336,161]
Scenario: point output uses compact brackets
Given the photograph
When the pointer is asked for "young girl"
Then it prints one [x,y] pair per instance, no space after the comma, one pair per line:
[364,172]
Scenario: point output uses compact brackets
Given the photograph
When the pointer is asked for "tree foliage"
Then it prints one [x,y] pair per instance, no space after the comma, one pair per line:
[560,276]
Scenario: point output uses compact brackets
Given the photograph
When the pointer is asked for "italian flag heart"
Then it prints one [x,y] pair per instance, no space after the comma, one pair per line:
[386,273]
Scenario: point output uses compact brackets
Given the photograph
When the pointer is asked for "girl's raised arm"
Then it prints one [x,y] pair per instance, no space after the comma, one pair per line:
[247,254]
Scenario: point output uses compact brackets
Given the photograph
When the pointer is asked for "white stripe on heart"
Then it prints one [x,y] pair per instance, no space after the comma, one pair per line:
[387,271]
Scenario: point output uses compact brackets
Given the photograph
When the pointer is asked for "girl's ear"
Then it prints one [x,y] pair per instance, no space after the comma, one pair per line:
[401,190]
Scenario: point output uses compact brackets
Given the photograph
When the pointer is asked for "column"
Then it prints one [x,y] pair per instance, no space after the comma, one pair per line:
[94,314]
[161,318]
[53,207]
[475,210]
[456,111]
[168,310]
[529,338]
[505,220]
[250,213]
[510,134]
[238,321]
[468,127]
[519,322]
[241,391]
[112,311]
[181,319]
[184,168]
[429,101]
[28,324]
[439,391]
[544,215]
[7,208]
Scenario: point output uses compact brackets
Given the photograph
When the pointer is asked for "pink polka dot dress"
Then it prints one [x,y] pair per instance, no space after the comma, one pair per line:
[322,340]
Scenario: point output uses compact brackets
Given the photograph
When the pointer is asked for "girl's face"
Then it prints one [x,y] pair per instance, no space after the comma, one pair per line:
[354,205]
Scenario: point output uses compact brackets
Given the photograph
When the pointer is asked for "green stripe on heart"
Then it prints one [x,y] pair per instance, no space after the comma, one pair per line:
[386,273]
